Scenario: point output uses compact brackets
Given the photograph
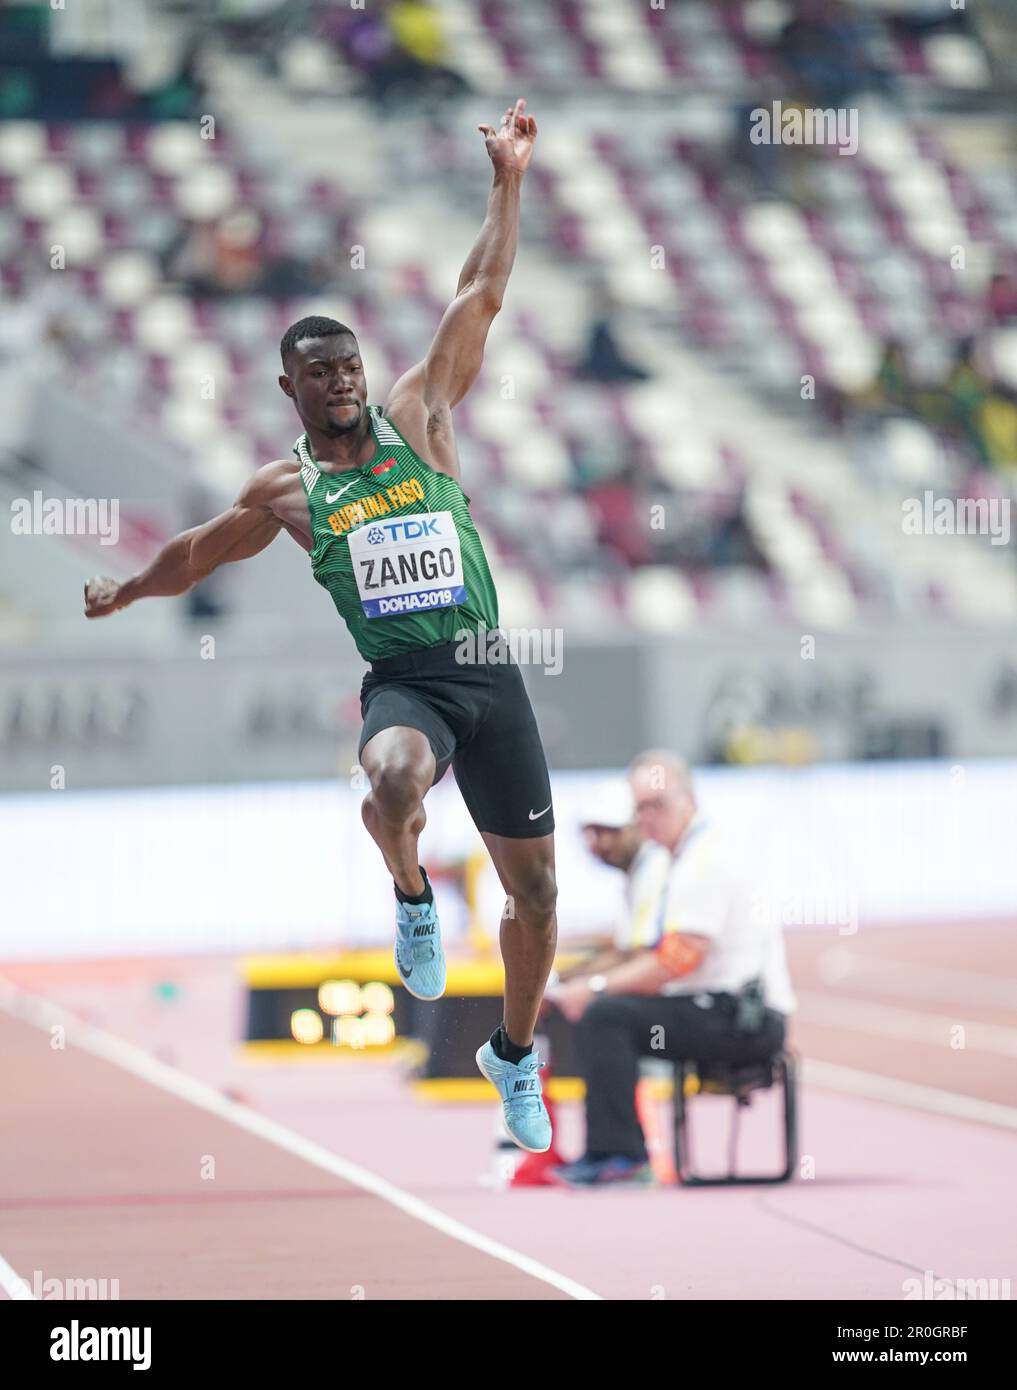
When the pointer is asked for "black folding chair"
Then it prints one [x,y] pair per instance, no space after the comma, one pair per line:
[738,1082]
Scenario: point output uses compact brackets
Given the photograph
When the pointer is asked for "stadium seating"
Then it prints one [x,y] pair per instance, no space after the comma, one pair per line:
[190,256]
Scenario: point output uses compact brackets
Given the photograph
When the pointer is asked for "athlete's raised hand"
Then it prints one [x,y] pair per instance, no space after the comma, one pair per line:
[511,146]
[101,597]
[420,404]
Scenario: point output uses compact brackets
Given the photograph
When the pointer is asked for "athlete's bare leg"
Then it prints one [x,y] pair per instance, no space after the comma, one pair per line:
[400,766]
[529,928]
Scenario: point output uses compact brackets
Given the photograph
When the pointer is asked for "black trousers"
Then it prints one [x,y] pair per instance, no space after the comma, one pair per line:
[616,1030]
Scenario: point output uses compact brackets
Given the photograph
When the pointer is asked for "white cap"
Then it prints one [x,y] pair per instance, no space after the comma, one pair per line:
[610,805]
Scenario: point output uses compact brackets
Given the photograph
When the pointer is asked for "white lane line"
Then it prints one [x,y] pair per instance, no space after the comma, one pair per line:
[863,1016]
[44,1015]
[900,977]
[12,1283]
[829,1076]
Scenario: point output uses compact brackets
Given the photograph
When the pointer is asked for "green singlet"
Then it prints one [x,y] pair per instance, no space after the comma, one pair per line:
[396,547]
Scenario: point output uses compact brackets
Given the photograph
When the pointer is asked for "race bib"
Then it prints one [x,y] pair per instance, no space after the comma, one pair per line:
[410,565]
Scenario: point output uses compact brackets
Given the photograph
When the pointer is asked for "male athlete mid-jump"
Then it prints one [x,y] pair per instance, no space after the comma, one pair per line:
[374,496]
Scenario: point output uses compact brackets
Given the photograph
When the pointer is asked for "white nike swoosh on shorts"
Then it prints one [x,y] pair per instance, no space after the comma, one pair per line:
[536,815]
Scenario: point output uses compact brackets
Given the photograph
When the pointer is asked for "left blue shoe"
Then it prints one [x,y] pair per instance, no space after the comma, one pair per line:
[419,956]
[526,1117]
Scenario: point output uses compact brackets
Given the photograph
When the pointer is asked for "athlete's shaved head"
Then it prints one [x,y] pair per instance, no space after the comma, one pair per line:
[315,326]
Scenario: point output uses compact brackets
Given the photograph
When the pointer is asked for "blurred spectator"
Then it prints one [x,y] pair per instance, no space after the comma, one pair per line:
[220,258]
[417,30]
[970,407]
[401,53]
[730,540]
[230,257]
[603,359]
[825,45]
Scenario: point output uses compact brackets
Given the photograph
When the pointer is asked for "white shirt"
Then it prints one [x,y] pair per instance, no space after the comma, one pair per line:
[645,881]
[704,890]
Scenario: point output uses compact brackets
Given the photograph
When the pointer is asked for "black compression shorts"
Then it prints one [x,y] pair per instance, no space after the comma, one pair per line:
[476,716]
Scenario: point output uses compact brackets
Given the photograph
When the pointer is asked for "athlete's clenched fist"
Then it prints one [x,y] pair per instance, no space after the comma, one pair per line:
[102,596]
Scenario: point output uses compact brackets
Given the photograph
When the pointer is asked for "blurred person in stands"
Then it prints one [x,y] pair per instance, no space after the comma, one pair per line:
[708,983]
[417,30]
[829,48]
[401,53]
[232,256]
[603,359]
[965,405]
[221,258]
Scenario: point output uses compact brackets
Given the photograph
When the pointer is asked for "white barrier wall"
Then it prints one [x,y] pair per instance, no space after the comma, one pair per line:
[148,701]
[284,866]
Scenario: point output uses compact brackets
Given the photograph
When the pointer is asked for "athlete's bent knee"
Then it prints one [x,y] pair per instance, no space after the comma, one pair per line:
[398,784]
[535,895]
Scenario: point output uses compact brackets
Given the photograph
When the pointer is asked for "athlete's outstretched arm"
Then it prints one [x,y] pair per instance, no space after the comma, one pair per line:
[248,527]
[421,401]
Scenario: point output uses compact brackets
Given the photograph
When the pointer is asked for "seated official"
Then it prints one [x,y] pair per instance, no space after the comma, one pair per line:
[684,990]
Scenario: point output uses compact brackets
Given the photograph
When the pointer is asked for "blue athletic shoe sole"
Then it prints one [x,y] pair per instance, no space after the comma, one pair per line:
[419,957]
[526,1117]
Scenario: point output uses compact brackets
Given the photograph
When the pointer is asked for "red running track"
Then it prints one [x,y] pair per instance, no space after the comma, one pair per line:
[107,1176]
[909,1138]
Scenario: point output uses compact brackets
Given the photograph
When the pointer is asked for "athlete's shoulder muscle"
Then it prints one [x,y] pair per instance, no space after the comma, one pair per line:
[267,483]
[275,487]
[428,432]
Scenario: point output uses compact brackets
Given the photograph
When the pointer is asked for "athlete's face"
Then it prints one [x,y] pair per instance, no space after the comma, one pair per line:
[325,380]
[613,845]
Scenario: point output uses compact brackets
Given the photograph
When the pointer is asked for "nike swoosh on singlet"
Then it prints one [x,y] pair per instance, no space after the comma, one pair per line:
[331,497]
[536,815]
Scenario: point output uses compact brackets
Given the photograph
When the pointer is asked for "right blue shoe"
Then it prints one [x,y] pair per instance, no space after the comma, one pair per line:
[419,957]
[526,1117]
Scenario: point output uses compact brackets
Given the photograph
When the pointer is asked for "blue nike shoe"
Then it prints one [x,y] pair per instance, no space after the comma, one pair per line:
[419,957]
[526,1117]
